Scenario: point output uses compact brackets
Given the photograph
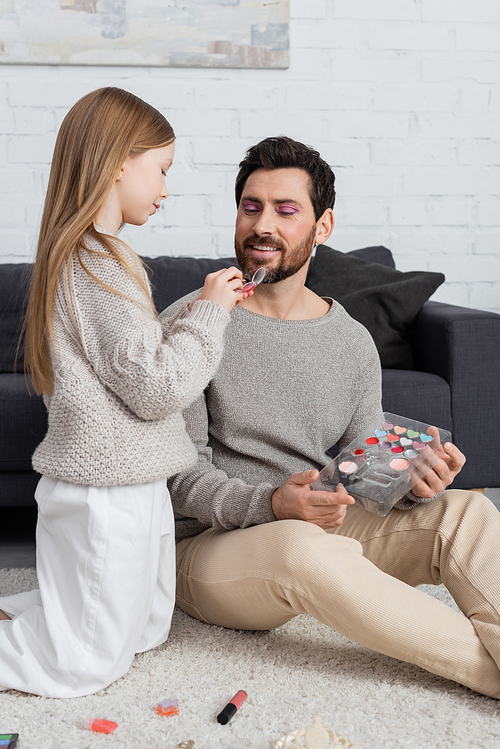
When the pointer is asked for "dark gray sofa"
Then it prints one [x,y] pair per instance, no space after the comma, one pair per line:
[455,383]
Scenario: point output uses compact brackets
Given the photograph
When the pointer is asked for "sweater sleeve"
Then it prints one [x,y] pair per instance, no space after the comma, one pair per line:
[367,403]
[155,368]
[410,501]
[208,494]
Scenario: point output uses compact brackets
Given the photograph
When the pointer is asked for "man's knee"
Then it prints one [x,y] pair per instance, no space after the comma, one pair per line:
[245,578]
[302,549]
[467,519]
[461,503]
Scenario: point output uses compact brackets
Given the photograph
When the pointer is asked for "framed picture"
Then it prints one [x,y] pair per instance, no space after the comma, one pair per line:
[182,33]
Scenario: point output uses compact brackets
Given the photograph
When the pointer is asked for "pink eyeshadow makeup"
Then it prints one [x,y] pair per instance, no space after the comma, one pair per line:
[397,449]
[348,467]
[285,209]
[248,205]
[399,464]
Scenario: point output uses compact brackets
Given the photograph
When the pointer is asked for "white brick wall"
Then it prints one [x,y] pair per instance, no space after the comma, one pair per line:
[402,97]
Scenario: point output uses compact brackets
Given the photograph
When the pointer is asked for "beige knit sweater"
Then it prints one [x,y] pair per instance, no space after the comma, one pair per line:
[122,377]
[285,392]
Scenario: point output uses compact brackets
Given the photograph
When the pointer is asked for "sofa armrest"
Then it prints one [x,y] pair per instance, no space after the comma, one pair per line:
[462,346]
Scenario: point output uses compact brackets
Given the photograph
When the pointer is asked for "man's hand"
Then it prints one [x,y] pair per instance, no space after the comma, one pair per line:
[295,500]
[449,463]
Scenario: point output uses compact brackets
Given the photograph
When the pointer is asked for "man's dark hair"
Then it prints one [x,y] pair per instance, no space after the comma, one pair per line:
[284,153]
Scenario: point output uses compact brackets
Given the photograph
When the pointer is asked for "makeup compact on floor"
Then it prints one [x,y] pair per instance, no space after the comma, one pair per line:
[384,462]
[8,740]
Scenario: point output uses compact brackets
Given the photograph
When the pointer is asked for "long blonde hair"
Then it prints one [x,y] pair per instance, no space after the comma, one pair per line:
[97,135]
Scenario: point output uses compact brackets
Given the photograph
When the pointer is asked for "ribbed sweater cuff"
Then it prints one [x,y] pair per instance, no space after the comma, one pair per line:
[268,515]
[410,500]
[209,313]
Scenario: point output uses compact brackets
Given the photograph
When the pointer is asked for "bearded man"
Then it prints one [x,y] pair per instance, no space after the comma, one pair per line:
[256,545]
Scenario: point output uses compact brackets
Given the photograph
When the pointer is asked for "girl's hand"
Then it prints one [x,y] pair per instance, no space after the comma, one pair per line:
[224,287]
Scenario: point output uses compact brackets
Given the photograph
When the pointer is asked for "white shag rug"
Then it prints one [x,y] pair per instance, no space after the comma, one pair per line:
[291,674]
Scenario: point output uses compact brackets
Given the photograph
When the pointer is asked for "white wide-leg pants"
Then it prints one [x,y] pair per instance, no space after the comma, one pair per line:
[106,571]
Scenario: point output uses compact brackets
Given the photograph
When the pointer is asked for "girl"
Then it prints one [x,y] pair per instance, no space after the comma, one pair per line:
[115,379]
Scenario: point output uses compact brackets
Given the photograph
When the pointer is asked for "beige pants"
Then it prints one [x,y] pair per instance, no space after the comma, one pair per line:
[359,580]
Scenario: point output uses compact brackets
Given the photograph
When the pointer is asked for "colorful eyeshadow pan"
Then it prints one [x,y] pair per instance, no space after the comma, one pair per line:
[406,442]
[397,449]
[392,437]
[399,464]
[426,438]
[380,433]
[412,434]
[387,425]
[411,454]
[418,445]
[384,445]
[400,430]
[372,441]
[348,467]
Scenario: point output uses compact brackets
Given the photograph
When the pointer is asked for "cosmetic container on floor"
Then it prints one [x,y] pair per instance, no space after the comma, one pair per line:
[100,725]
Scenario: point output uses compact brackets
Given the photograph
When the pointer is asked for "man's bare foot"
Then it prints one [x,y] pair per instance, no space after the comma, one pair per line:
[3,615]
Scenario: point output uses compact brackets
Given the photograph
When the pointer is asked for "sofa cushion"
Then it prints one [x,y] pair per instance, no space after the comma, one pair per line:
[14,280]
[377,254]
[418,395]
[23,422]
[18,488]
[385,300]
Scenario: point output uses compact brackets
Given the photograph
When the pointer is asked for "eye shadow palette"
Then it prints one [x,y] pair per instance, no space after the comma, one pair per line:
[8,740]
[384,462]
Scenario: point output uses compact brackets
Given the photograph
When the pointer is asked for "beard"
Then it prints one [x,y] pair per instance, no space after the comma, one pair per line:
[290,262]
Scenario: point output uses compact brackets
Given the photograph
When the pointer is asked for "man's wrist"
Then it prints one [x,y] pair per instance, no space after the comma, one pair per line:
[273,500]
[411,500]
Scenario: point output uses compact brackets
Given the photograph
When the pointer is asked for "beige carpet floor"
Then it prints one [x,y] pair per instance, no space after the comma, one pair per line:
[290,674]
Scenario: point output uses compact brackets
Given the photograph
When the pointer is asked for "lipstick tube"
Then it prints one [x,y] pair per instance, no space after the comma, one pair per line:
[231,707]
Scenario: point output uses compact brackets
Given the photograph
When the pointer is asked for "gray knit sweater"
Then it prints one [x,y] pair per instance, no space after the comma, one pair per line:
[285,392]
[122,377]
